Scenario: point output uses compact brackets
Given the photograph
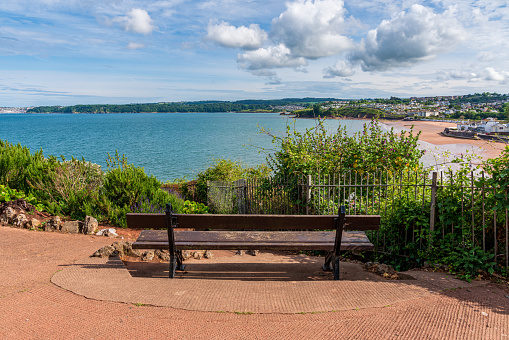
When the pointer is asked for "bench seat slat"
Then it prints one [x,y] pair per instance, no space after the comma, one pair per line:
[261,240]
[294,247]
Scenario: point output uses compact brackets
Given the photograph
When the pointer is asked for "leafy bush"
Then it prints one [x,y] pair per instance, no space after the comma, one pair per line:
[77,188]
[318,152]
[226,170]
[18,167]
[127,187]
[7,194]
[74,185]
[462,257]
[194,208]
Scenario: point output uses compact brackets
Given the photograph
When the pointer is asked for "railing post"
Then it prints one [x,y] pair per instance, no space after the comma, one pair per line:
[309,183]
[433,206]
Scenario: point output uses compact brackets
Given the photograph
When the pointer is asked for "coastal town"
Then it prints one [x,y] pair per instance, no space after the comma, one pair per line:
[14,109]
[420,107]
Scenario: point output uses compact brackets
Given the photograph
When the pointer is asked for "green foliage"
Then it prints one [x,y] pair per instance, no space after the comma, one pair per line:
[226,170]
[73,185]
[127,188]
[498,171]
[125,183]
[463,258]
[191,207]
[18,167]
[77,188]
[7,194]
[318,152]
[405,228]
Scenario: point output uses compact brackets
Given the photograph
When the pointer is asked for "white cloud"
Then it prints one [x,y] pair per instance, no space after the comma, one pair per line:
[226,35]
[135,46]
[267,58]
[489,73]
[411,37]
[340,69]
[312,28]
[137,21]
[462,74]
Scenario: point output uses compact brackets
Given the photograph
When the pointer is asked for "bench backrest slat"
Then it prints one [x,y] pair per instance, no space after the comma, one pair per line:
[265,222]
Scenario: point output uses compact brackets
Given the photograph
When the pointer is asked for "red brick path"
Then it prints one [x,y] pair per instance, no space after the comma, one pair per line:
[31,307]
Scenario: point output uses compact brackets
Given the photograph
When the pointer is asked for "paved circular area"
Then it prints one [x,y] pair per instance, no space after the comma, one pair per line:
[209,286]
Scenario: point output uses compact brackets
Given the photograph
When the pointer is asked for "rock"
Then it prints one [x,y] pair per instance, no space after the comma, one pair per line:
[162,254]
[90,225]
[7,215]
[197,255]
[104,251]
[125,248]
[20,205]
[19,220]
[72,227]
[33,224]
[186,254]
[252,252]
[121,248]
[53,224]
[239,252]
[110,232]
[148,255]
[208,254]
[382,268]
[4,220]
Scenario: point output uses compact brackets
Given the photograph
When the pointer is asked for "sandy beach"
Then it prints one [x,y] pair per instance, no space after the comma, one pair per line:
[430,133]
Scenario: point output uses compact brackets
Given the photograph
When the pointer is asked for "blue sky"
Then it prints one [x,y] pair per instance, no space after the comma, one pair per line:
[65,52]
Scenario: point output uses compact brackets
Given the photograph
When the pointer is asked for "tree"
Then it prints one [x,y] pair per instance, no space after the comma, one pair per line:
[317,110]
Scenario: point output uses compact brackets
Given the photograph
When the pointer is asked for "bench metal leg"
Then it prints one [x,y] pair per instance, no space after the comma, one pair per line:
[180,259]
[328,258]
[335,267]
[173,266]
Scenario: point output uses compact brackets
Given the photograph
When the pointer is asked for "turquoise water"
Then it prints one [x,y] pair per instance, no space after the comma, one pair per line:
[167,145]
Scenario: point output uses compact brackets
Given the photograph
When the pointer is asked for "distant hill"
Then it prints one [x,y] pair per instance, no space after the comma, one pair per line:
[198,106]
[346,111]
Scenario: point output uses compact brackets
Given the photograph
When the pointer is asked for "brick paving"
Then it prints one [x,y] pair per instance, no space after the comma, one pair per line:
[31,307]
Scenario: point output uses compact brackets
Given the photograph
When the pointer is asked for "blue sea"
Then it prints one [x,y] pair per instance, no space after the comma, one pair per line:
[167,145]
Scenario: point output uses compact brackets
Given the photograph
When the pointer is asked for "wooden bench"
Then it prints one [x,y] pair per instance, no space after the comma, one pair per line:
[331,233]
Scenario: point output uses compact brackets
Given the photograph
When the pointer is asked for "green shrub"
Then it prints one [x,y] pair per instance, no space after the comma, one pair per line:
[157,204]
[128,188]
[194,208]
[19,168]
[317,151]
[226,170]
[77,188]
[74,185]
[7,194]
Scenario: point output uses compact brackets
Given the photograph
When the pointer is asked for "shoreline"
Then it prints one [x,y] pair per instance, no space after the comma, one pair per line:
[431,133]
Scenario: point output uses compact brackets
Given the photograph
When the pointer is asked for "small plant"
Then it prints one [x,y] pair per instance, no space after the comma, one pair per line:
[7,194]
[195,208]
[463,259]
[226,170]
